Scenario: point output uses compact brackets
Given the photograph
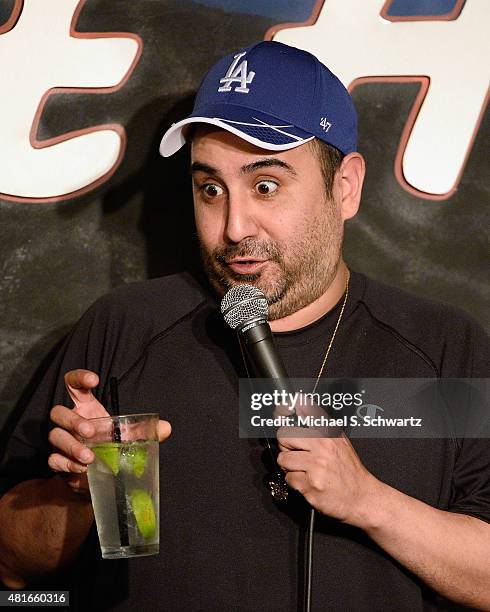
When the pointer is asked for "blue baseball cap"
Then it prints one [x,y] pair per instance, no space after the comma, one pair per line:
[274,96]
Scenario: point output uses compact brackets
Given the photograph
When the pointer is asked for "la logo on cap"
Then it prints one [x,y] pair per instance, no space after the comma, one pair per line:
[237,74]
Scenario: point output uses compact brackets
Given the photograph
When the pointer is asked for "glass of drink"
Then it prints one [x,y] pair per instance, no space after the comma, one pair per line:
[124,484]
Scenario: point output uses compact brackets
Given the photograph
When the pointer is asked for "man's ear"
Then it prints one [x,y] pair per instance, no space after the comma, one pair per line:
[351,176]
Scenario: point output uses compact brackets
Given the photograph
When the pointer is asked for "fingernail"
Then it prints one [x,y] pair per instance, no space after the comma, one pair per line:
[81,469]
[85,429]
[86,455]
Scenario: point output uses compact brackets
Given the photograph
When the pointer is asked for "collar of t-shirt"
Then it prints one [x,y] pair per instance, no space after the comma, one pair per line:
[303,349]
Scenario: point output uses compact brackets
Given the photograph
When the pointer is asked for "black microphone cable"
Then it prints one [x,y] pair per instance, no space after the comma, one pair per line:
[308,561]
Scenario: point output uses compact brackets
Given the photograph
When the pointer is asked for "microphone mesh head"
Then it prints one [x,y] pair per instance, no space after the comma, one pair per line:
[243,303]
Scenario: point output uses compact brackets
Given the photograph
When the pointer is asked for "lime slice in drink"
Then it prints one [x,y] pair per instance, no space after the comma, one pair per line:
[135,457]
[109,454]
[144,513]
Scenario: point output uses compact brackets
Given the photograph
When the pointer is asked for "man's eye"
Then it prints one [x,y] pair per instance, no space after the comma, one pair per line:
[266,187]
[212,190]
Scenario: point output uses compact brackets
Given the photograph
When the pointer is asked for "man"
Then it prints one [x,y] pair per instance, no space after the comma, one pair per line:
[275,175]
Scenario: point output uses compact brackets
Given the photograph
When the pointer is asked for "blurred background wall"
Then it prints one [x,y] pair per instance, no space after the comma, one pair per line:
[107,210]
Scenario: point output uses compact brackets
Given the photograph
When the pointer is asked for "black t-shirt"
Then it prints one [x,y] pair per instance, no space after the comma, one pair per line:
[225,544]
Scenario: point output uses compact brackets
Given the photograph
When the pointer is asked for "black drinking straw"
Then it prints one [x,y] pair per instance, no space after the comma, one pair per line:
[122,515]
[115,404]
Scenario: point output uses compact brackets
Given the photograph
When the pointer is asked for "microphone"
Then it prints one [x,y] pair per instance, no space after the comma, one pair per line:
[245,309]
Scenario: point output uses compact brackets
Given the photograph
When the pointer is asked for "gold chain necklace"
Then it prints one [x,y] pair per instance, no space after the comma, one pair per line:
[330,344]
[277,483]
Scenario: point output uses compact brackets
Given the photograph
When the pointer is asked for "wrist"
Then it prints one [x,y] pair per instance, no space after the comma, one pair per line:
[370,513]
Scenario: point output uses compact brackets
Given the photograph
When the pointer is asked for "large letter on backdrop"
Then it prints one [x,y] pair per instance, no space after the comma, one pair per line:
[41,54]
[358,41]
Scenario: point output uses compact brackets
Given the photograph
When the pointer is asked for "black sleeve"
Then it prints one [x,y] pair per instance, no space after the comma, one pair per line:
[470,492]
[27,448]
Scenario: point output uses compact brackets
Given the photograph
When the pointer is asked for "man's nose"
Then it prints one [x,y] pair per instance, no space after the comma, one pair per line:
[240,222]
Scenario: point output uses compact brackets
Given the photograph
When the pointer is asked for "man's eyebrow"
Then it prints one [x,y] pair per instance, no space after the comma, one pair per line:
[268,162]
[200,167]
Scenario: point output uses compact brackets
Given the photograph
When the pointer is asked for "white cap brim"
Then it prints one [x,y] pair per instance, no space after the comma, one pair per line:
[174,138]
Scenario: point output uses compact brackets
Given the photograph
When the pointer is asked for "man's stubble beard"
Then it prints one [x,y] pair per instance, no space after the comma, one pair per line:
[303,270]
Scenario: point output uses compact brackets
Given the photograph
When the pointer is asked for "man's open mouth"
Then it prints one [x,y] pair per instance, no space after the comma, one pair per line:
[242,265]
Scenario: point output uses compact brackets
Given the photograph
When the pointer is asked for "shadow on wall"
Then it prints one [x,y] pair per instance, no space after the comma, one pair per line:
[166,218]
